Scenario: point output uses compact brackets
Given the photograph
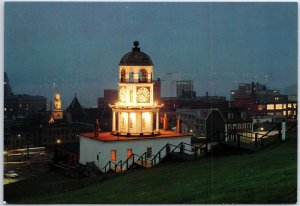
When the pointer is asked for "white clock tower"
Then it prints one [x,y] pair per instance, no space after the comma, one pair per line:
[136,113]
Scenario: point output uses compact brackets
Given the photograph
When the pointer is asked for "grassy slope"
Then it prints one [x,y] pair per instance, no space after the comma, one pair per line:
[269,176]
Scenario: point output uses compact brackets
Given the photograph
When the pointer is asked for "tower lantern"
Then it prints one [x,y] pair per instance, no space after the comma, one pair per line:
[136,112]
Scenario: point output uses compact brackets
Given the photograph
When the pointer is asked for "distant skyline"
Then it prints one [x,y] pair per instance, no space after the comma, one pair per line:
[76,47]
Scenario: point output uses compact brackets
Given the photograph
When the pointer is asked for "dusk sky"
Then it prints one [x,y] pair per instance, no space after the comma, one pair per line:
[78,46]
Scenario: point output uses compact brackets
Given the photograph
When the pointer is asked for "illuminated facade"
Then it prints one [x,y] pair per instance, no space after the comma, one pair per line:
[135,120]
[136,113]
[57,112]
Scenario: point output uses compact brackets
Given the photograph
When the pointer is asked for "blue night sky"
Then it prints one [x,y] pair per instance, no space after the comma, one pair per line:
[79,45]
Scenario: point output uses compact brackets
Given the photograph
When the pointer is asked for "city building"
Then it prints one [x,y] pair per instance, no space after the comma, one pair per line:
[21,105]
[238,120]
[202,122]
[110,97]
[135,118]
[261,102]
[185,89]
[76,112]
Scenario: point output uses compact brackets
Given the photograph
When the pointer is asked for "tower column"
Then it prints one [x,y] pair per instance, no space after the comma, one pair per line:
[119,117]
[114,122]
[151,122]
[157,123]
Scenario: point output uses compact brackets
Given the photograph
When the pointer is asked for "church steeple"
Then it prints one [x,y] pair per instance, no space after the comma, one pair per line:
[57,112]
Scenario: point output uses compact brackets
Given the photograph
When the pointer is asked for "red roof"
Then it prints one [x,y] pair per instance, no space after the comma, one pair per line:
[107,136]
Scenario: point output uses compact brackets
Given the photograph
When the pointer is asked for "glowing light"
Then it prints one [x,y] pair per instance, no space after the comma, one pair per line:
[147,116]
[58,141]
[261,129]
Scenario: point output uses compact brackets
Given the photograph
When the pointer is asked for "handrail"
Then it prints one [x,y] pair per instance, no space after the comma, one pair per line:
[270,131]
[291,127]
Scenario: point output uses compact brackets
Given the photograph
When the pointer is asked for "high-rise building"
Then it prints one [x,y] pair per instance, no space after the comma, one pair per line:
[185,89]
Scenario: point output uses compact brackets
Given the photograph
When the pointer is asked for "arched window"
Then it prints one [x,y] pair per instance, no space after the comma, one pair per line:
[123,75]
[143,75]
[131,77]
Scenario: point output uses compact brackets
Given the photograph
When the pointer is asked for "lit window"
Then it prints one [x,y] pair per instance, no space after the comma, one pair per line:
[261,107]
[294,105]
[123,123]
[270,107]
[289,105]
[129,152]
[113,155]
[131,95]
[143,122]
[284,106]
[289,113]
[284,113]
[279,106]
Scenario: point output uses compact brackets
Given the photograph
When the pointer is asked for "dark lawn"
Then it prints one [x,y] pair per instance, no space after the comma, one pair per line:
[268,176]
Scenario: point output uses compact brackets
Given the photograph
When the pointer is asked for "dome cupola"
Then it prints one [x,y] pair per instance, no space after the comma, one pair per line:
[136,57]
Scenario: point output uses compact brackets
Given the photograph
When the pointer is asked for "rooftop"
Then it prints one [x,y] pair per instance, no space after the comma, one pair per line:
[108,137]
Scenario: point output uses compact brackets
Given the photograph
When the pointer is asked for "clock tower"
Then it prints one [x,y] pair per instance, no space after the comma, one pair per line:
[136,113]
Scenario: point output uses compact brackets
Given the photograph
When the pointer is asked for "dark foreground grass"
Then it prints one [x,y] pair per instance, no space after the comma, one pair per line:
[269,176]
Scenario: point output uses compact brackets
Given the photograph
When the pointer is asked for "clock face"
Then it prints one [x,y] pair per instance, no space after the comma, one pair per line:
[122,94]
[143,94]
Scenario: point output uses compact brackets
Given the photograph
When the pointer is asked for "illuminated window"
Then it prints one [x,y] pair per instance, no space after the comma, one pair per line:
[261,107]
[129,152]
[149,152]
[294,105]
[289,105]
[276,98]
[270,106]
[131,95]
[143,122]
[270,113]
[123,123]
[278,106]
[113,155]
[284,113]
[284,106]
[295,112]
[289,113]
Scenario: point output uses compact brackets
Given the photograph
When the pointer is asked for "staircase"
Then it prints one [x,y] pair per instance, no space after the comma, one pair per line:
[182,151]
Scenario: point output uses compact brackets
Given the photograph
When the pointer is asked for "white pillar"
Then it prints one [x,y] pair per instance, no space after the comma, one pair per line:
[157,121]
[119,119]
[114,122]
[283,131]
[151,121]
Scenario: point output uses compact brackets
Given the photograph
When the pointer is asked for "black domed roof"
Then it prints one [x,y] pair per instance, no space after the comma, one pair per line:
[136,57]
